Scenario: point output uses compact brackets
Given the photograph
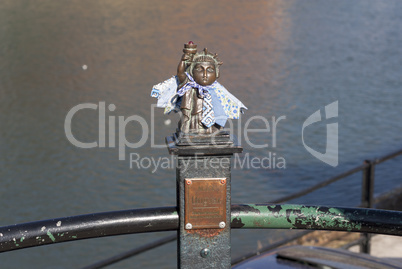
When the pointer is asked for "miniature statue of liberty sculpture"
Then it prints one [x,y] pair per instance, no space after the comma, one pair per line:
[205,104]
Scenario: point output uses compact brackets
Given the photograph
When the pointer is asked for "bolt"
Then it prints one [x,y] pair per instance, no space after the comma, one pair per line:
[189,226]
[188,182]
[222,224]
[223,181]
[205,252]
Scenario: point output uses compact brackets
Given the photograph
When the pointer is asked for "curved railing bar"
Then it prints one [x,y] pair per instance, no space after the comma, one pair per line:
[336,178]
[387,157]
[320,184]
[88,226]
[251,216]
[266,216]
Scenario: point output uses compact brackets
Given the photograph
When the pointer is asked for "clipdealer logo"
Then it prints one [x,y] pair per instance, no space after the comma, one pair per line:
[270,161]
[330,156]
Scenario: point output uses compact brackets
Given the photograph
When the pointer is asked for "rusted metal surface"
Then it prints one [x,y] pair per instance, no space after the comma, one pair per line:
[317,218]
[205,202]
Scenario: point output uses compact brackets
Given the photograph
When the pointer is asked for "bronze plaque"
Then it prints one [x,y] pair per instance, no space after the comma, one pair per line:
[205,203]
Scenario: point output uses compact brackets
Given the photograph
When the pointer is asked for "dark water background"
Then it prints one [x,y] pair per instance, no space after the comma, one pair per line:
[281,58]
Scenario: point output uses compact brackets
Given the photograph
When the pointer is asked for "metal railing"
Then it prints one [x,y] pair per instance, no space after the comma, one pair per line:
[367,197]
[272,216]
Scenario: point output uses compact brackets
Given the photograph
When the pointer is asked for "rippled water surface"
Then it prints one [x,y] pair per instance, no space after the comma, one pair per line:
[281,58]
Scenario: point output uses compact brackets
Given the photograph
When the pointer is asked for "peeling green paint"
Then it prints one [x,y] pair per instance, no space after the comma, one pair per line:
[51,236]
[22,239]
[295,217]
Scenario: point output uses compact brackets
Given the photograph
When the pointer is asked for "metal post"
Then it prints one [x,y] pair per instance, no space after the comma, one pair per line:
[203,199]
[367,200]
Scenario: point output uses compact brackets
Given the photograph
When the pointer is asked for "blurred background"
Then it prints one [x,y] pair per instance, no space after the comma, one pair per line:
[281,58]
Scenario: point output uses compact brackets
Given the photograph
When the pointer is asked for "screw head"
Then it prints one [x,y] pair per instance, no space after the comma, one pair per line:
[189,226]
[205,252]
[188,182]
[223,181]
[222,224]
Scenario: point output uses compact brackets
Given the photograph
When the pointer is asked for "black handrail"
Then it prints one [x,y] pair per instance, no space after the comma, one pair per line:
[249,216]
[59,230]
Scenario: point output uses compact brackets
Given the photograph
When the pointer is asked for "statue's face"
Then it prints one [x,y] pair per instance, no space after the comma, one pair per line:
[204,73]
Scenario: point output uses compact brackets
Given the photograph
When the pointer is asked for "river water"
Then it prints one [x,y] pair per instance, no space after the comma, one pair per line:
[284,60]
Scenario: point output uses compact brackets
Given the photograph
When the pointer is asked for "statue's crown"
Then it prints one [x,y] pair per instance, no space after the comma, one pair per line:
[205,56]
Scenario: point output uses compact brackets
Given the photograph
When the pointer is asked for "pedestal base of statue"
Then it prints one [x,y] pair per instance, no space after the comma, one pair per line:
[203,181]
[195,144]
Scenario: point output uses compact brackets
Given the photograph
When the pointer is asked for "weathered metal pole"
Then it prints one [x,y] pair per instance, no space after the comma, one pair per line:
[367,200]
[203,199]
